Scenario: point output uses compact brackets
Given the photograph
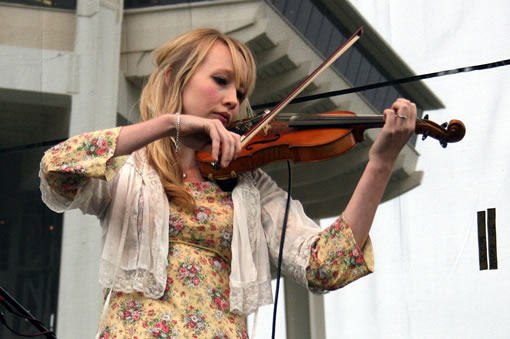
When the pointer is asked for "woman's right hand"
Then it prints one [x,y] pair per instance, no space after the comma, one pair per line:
[195,133]
[208,135]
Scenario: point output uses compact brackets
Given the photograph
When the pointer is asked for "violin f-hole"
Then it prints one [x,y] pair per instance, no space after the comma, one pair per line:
[249,146]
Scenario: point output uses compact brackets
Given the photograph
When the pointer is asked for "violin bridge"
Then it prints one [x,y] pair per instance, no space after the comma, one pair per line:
[266,129]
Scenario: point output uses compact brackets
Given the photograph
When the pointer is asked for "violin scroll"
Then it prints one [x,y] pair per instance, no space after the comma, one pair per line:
[446,133]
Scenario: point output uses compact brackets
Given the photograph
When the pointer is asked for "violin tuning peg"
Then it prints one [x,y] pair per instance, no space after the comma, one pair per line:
[444,124]
[426,117]
[425,135]
[215,165]
[443,143]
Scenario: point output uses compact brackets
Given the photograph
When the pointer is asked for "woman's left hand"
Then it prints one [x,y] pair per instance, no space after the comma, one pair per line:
[400,123]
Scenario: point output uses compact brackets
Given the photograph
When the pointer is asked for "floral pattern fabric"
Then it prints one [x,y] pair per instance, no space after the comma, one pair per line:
[336,260]
[196,299]
[69,164]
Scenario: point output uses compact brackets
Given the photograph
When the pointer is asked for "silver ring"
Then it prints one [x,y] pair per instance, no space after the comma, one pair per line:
[401,116]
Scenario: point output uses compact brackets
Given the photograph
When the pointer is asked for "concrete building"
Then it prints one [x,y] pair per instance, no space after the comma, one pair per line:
[73,66]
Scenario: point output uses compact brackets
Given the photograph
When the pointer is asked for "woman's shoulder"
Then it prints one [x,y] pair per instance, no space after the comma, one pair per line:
[256,174]
[138,163]
[258,179]
[138,158]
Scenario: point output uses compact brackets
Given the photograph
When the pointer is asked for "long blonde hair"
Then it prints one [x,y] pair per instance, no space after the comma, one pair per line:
[180,57]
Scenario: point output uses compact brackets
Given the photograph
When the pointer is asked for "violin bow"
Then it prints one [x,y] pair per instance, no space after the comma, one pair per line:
[299,88]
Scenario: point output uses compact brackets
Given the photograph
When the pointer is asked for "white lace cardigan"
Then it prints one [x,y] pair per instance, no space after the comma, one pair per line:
[134,214]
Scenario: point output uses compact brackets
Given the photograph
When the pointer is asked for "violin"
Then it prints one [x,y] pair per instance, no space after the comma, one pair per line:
[315,137]
[311,138]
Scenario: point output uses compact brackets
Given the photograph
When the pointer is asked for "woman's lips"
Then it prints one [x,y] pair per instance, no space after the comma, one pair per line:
[223,116]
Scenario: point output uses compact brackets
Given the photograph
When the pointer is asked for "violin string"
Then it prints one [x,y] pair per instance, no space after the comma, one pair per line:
[413,78]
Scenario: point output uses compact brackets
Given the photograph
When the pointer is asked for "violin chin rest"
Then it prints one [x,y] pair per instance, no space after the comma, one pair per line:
[227,185]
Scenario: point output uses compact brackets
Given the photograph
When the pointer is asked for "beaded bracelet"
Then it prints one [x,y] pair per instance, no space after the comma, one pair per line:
[177,132]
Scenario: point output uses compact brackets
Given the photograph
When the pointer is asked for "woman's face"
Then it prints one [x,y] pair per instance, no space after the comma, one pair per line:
[211,91]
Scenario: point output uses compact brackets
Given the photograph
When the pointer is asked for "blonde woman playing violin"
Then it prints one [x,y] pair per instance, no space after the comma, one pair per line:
[181,257]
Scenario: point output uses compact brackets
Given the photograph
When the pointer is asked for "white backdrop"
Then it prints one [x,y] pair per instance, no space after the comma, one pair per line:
[427,282]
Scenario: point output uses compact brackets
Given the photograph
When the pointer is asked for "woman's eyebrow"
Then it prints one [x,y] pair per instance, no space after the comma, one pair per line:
[227,70]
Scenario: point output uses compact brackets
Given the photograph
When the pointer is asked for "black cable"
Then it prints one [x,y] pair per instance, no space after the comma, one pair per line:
[4,321]
[388,83]
[280,254]
[17,309]
[17,314]
[28,146]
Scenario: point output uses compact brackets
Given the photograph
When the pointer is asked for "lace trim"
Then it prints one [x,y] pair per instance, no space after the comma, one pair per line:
[250,281]
[55,202]
[297,252]
[128,281]
[151,282]
[250,297]
[250,198]
[296,268]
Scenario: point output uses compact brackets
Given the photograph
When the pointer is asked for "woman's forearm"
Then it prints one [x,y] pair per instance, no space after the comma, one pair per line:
[360,210]
[136,136]
[400,121]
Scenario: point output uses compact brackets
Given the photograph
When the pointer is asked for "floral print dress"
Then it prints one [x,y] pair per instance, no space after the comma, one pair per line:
[196,300]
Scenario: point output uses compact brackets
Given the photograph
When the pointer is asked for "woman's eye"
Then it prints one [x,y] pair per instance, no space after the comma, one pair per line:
[220,80]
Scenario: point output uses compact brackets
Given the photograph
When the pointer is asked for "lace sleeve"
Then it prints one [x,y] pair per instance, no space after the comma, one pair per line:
[301,230]
[336,260]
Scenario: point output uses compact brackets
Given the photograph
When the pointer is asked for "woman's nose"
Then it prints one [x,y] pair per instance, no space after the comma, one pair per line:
[231,100]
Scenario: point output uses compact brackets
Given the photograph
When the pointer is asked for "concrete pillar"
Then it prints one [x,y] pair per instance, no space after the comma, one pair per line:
[304,312]
[94,106]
